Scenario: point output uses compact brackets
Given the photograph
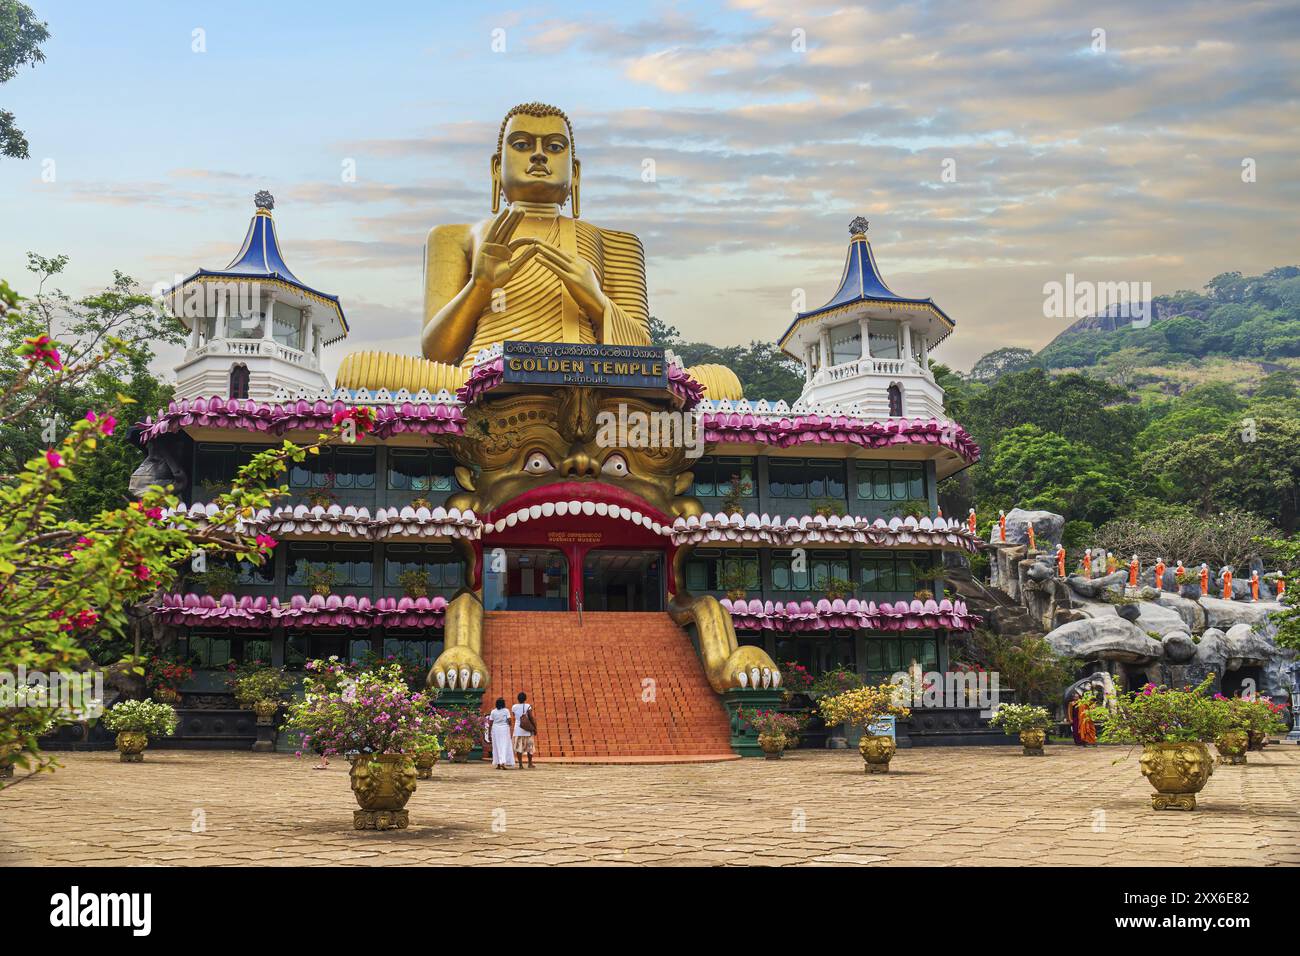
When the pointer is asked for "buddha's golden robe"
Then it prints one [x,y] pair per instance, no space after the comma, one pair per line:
[537,307]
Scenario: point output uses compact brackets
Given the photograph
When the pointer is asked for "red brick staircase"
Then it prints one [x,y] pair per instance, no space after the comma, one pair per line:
[587,682]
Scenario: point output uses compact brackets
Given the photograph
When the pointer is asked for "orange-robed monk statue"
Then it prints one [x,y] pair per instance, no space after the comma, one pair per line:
[528,273]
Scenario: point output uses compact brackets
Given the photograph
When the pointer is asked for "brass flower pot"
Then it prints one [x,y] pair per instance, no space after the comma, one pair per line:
[166,695]
[1178,771]
[425,761]
[773,745]
[877,751]
[131,744]
[459,746]
[382,783]
[1231,745]
[1032,741]
[265,710]
[1258,740]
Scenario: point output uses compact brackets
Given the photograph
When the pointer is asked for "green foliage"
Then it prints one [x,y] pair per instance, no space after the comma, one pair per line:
[1162,715]
[763,369]
[1025,662]
[1218,539]
[260,682]
[836,681]
[1000,362]
[21,36]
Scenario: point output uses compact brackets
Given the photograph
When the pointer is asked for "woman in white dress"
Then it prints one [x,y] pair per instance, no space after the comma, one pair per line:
[503,756]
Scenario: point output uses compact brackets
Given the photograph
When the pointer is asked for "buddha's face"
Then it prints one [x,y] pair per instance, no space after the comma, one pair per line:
[536,161]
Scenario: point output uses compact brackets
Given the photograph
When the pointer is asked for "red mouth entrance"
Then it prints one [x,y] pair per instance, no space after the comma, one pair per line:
[575,518]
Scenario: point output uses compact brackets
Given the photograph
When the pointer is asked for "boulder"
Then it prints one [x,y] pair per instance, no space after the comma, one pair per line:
[1212,650]
[1047,528]
[1190,612]
[1039,572]
[1224,614]
[1247,646]
[1129,612]
[1179,648]
[1154,616]
[1105,638]
[1084,587]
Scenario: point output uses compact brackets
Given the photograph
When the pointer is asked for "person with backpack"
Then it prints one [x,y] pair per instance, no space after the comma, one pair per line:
[525,730]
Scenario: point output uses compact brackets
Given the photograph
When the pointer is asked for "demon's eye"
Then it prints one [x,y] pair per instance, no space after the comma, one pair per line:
[615,466]
[538,464]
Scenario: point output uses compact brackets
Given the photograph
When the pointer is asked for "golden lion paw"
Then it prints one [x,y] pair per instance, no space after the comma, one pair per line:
[458,668]
[750,667]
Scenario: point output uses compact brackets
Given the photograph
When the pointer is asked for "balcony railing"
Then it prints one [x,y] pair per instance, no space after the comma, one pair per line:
[268,347]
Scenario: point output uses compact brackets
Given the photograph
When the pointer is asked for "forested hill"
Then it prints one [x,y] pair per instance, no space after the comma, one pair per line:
[1254,318]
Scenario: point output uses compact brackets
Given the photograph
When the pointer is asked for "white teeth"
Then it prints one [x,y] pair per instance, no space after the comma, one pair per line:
[500,525]
[656,528]
[601,508]
[512,519]
[636,517]
[624,513]
[535,511]
[588,507]
[561,508]
[521,515]
[548,509]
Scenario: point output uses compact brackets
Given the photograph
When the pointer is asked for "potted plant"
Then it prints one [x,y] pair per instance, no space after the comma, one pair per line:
[1029,721]
[826,507]
[426,751]
[734,580]
[135,721]
[377,721]
[463,730]
[738,489]
[1173,727]
[1258,717]
[323,496]
[837,588]
[923,594]
[774,728]
[419,501]
[321,578]
[164,678]
[415,582]
[258,687]
[321,678]
[865,707]
[795,679]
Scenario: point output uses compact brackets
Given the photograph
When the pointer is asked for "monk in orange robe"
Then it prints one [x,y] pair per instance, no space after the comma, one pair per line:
[1087,564]
[1227,584]
[1082,728]
[1133,568]
[1205,580]
[1254,585]
[970,522]
[1002,525]
[1060,561]
[1160,574]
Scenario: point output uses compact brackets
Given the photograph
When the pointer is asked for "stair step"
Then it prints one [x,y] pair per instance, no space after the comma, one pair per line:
[587,676]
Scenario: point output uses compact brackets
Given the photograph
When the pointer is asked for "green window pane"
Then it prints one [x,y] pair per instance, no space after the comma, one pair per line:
[898,486]
[880,479]
[916,486]
[781,575]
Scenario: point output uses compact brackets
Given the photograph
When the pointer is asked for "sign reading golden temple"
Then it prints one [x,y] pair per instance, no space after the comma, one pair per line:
[572,363]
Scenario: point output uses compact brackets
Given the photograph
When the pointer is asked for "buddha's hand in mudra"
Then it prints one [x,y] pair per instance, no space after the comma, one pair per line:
[578,276]
[499,257]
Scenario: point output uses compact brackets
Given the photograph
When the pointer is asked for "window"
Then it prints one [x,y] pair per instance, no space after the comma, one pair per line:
[895,401]
[352,563]
[884,339]
[215,465]
[286,325]
[302,646]
[244,326]
[805,478]
[215,651]
[846,343]
[338,467]
[816,568]
[881,573]
[886,656]
[439,564]
[716,570]
[239,381]
[420,470]
[891,481]
[716,477]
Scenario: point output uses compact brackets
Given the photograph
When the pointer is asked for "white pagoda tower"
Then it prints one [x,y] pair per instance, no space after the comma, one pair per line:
[254,326]
[868,346]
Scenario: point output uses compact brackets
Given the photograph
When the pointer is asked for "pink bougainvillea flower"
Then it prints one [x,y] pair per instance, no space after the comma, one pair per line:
[107,424]
[265,542]
[54,459]
[141,572]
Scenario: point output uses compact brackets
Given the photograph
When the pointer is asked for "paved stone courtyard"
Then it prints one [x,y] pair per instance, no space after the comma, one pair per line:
[940,806]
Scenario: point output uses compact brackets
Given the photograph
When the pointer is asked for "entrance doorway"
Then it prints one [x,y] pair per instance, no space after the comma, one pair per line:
[532,579]
[623,581]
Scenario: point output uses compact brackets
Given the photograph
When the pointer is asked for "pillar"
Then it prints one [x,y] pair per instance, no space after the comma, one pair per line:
[267,320]
[905,330]
[824,340]
[865,326]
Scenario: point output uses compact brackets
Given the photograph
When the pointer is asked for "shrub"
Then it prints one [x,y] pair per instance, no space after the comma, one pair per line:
[863,706]
[836,681]
[1159,714]
[1015,718]
[142,717]
[260,682]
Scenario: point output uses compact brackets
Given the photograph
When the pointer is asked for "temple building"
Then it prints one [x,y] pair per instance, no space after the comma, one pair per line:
[497,532]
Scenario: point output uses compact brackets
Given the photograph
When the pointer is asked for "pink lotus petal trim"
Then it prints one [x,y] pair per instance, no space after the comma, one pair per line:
[828,615]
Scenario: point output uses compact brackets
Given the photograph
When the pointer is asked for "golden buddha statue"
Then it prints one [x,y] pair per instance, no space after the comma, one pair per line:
[529,273]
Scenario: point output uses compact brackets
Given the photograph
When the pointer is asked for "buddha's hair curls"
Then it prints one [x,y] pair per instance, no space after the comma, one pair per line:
[535,109]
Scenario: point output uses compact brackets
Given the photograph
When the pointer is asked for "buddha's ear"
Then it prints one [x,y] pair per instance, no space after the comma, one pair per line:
[577,181]
[465,476]
[495,167]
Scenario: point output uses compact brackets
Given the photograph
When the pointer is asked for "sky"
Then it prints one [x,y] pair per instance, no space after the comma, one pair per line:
[993,147]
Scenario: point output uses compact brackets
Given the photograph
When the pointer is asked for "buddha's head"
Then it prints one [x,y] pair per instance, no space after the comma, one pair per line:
[535,161]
